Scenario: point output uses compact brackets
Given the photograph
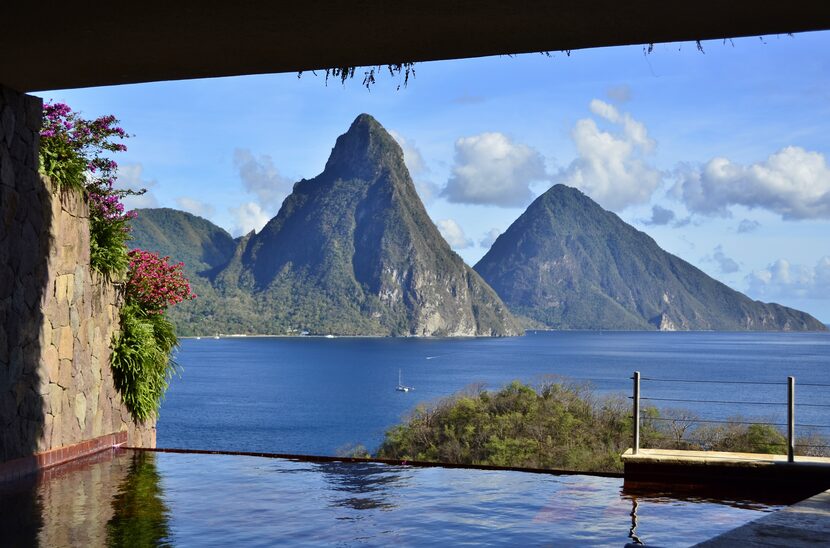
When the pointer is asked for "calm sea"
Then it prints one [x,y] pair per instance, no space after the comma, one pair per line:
[316,396]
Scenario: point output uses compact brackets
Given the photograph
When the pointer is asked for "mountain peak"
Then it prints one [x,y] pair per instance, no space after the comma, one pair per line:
[570,264]
[364,150]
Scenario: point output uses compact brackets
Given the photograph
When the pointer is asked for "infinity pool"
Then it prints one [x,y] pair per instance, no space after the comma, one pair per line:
[134,498]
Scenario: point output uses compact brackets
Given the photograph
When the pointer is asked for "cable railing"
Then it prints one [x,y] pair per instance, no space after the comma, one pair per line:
[684,423]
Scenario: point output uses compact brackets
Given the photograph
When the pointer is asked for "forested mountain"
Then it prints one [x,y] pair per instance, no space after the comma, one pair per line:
[569,264]
[197,242]
[351,252]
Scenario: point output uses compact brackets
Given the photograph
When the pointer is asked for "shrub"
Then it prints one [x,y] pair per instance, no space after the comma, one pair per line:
[154,283]
[74,154]
[141,362]
[560,426]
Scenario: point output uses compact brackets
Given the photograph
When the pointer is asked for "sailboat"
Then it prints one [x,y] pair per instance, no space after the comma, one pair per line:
[401,387]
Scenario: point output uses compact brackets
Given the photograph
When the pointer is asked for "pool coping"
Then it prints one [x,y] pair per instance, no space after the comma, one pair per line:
[394,462]
[20,467]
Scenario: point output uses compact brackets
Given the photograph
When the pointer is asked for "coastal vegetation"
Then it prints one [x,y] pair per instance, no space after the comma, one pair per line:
[75,155]
[560,425]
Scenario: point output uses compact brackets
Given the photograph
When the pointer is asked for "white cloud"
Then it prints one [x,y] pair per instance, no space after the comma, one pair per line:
[792,182]
[130,177]
[659,216]
[784,280]
[247,217]
[490,169]
[411,155]
[261,178]
[194,206]
[454,234]
[417,167]
[489,238]
[635,131]
[611,167]
[748,226]
[726,265]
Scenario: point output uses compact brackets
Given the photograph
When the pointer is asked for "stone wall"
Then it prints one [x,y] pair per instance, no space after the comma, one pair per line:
[57,317]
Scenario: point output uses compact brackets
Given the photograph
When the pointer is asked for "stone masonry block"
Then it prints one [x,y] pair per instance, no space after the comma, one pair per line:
[66,345]
[51,362]
[80,410]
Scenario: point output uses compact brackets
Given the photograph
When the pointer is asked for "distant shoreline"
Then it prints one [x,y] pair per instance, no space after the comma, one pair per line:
[531,331]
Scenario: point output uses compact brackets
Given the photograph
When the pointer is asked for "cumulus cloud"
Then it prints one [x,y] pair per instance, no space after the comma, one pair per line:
[247,217]
[748,226]
[261,178]
[411,155]
[490,169]
[659,216]
[792,182]
[782,279]
[620,94]
[489,238]
[194,206]
[131,177]
[454,234]
[417,167]
[725,264]
[611,167]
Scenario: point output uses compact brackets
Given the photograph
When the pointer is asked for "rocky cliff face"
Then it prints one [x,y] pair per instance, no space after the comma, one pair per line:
[570,264]
[353,251]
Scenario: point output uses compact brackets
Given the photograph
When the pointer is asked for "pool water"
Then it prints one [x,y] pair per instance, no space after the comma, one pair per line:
[136,498]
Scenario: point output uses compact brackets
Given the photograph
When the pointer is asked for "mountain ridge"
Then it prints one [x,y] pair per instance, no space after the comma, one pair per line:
[570,264]
[353,252]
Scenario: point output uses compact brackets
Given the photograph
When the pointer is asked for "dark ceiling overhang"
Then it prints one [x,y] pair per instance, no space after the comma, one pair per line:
[77,43]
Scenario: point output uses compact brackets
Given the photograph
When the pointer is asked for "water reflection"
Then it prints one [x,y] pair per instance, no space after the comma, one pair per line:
[367,486]
[632,532]
[759,498]
[140,516]
[112,498]
[659,500]
[20,513]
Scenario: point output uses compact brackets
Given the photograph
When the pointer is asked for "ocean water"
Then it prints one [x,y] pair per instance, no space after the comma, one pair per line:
[309,395]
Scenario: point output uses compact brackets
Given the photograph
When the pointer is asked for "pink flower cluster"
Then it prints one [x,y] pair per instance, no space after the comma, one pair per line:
[90,139]
[84,135]
[109,207]
[154,283]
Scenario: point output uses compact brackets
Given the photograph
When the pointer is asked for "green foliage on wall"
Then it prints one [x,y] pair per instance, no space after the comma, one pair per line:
[141,363]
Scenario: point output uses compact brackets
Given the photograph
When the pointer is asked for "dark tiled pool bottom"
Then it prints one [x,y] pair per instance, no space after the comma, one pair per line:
[131,498]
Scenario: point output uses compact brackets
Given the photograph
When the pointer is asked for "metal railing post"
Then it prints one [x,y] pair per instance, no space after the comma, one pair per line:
[790,419]
[636,414]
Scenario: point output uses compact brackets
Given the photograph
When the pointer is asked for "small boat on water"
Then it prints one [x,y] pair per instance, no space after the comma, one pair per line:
[401,386]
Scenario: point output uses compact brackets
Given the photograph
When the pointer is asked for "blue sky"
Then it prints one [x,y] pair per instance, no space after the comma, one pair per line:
[720,156]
